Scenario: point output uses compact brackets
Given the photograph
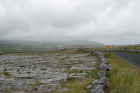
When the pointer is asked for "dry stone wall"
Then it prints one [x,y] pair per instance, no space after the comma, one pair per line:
[122,50]
[101,83]
[128,50]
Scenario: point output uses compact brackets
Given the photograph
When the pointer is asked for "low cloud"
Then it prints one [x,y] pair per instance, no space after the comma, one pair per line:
[106,21]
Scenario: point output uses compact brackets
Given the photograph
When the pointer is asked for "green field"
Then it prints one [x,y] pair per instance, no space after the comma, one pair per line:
[7,46]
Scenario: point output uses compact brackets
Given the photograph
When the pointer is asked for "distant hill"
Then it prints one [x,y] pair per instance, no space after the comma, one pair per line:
[77,42]
[11,46]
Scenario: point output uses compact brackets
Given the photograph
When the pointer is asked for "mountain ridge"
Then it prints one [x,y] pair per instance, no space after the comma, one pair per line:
[79,42]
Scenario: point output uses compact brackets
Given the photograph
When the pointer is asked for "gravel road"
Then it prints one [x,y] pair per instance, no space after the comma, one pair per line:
[132,58]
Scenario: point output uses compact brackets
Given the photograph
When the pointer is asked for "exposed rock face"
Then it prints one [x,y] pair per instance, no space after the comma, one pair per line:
[89,86]
[98,89]
[37,73]
[102,82]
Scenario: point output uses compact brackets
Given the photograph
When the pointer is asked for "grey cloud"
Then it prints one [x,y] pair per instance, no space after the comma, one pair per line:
[70,19]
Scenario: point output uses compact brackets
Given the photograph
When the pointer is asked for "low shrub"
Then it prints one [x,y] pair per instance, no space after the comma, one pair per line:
[43,69]
[107,55]
[107,74]
[6,74]
[71,78]
[81,71]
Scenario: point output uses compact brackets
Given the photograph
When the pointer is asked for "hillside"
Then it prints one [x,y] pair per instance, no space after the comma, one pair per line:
[78,42]
[10,46]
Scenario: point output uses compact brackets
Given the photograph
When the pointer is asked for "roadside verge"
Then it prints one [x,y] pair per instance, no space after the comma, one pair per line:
[123,77]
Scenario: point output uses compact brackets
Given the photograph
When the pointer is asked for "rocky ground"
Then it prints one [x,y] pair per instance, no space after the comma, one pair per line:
[43,72]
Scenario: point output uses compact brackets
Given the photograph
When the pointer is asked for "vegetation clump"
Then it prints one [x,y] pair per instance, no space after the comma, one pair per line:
[71,78]
[93,54]
[43,69]
[125,48]
[6,74]
[81,71]
[4,69]
[28,72]
[107,55]
[124,77]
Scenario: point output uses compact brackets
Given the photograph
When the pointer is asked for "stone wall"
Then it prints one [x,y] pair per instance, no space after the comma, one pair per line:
[128,50]
[101,83]
[122,50]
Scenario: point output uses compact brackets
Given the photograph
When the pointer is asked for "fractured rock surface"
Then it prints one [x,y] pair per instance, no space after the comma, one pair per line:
[41,73]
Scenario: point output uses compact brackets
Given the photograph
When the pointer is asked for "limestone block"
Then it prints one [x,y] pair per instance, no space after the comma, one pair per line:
[101,74]
[104,67]
[98,89]
[103,81]
[89,86]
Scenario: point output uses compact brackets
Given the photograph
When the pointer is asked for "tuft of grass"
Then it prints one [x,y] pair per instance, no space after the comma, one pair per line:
[107,74]
[43,69]
[107,55]
[81,71]
[124,77]
[83,50]
[125,48]
[4,69]
[77,86]
[28,72]
[93,54]
[35,88]
[6,74]
[71,78]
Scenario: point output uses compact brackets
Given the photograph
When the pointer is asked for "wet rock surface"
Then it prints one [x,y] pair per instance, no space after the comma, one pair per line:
[25,73]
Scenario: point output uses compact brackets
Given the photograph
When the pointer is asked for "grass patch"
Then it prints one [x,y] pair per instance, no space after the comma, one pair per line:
[92,54]
[107,74]
[83,50]
[73,71]
[81,71]
[6,74]
[93,74]
[4,69]
[43,69]
[71,78]
[28,72]
[107,55]
[124,77]
[77,86]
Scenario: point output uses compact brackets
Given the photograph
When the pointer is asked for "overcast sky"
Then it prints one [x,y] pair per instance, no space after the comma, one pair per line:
[105,21]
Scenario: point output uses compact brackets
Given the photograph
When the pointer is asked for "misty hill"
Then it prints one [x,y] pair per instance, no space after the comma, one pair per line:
[78,42]
[10,46]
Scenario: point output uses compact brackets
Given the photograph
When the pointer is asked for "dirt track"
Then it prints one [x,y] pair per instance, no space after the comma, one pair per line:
[132,58]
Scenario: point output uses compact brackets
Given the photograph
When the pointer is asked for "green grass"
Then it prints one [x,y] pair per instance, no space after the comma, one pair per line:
[128,53]
[6,74]
[28,72]
[43,69]
[77,86]
[124,77]
[81,71]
